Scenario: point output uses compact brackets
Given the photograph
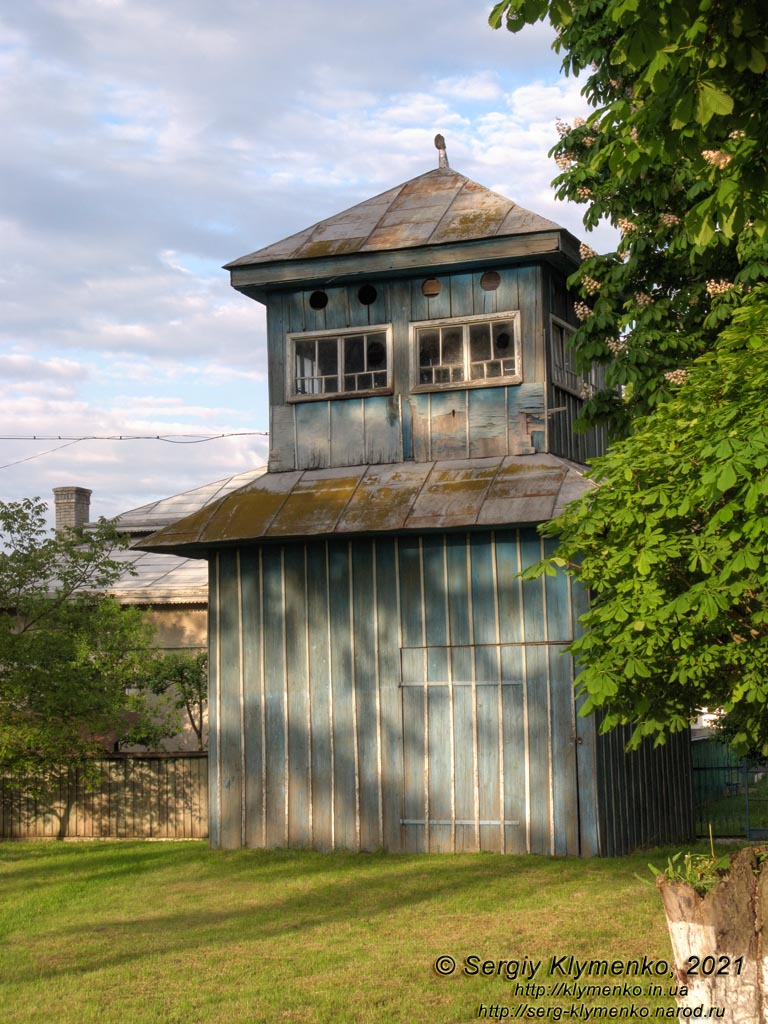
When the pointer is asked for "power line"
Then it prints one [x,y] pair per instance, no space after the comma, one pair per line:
[168,438]
[39,455]
[133,437]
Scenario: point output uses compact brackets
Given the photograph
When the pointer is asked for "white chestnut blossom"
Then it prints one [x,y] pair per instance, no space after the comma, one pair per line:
[676,376]
[590,285]
[718,287]
[717,158]
[582,311]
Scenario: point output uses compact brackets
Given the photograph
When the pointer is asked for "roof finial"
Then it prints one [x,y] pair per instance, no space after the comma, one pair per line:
[440,145]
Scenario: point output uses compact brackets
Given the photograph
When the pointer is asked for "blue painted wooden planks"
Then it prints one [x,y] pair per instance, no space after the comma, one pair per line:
[412,693]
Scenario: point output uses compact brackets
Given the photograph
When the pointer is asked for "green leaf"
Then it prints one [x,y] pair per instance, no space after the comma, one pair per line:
[682,111]
[727,478]
[497,14]
[618,12]
[711,101]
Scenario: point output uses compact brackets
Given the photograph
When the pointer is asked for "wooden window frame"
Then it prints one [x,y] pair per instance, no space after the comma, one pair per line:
[327,335]
[465,322]
[565,376]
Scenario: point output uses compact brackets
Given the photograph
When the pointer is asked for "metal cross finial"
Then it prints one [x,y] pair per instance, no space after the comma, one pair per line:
[440,145]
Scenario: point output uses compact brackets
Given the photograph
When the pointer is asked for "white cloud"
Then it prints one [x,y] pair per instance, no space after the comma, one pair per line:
[154,142]
[22,367]
[484,85]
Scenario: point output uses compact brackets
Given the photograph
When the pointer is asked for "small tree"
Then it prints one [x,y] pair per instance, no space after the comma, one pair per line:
[181,678]
[69,654]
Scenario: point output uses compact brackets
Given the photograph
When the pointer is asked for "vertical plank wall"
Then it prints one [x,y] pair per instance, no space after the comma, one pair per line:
[378,693]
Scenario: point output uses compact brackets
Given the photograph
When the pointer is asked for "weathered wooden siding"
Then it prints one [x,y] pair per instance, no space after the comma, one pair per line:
[398,693]
[564,439]
[463,423]
[138,797]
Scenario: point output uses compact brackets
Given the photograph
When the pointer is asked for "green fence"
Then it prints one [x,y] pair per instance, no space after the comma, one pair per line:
[730,793]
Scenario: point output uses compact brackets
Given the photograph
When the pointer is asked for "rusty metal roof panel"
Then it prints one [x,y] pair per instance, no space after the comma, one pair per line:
[251,511]
[494,491]
[441,179]
[454,493]
[573,486]
[236,518]
[525,489]
[520,221]
[317,502]
[318,247]
[405,234]
[385,497]
[357,222]
[476,213]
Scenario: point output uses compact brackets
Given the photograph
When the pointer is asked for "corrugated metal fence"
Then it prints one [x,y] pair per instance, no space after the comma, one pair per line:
[139,796]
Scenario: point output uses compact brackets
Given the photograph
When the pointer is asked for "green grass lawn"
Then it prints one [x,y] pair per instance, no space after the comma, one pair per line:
[175,933]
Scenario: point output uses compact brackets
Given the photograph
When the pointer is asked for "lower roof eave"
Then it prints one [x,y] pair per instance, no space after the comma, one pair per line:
[380,500]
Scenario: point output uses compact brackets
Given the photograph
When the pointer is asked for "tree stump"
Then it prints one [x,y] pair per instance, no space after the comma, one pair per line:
[717,941]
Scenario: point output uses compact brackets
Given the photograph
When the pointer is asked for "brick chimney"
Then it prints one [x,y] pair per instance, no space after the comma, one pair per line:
[73,507]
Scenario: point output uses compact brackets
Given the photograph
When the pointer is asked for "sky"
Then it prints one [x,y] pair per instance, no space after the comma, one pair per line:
[144,143]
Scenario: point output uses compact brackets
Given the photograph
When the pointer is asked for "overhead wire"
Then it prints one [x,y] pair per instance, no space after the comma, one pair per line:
[38,455]
[168,438]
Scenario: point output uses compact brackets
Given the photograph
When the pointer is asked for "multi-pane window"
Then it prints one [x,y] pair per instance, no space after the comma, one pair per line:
[473,350]
[336,363]
[564,372]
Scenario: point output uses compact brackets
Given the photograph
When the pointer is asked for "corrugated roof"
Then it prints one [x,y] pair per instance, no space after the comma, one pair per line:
[165,578]
[150,517]
[512,490]
[160,579]
[435,208]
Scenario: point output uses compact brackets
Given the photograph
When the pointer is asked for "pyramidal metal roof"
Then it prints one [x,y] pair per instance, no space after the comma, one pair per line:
[441,206]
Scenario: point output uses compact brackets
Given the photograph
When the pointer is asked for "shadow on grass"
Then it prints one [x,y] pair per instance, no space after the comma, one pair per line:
[284,894]
[38,862]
